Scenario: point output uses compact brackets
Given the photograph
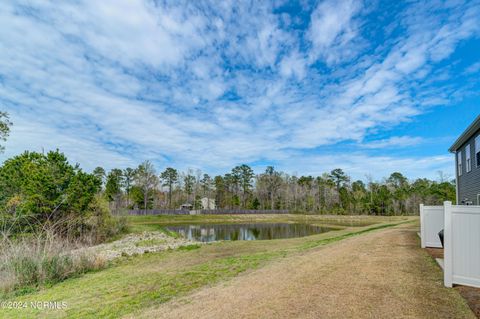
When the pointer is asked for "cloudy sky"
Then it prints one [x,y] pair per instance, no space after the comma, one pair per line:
[368,86]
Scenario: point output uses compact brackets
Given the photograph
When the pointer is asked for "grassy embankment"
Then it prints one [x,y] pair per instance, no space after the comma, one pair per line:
[382,274]
[138,282]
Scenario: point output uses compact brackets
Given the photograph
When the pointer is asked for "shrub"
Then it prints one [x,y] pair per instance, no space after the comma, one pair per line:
[49,209]
[100,224]
[38,188]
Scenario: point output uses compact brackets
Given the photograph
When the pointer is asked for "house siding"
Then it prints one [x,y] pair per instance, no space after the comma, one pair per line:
[468,182]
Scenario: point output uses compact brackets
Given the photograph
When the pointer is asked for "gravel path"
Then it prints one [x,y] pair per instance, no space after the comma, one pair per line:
[383,274]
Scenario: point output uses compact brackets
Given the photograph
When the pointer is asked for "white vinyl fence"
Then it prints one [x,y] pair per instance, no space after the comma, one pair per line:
[462,245]
[431,222]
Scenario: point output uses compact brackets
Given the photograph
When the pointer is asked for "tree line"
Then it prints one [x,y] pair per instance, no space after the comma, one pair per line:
[333,192]
[43,186]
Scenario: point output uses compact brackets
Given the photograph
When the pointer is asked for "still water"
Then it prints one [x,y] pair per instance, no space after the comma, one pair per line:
[212,232]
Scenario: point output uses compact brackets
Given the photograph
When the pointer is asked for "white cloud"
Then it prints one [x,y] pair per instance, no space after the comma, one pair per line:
[474,68]
[332,28]
[293,65]
[85,151]
[189,84]
[393,142]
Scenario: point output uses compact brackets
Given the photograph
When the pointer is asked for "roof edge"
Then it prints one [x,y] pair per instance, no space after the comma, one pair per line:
[475,126]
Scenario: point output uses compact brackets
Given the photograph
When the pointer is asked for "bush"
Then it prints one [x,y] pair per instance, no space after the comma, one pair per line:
[100,225]
[38,188]
[49,211]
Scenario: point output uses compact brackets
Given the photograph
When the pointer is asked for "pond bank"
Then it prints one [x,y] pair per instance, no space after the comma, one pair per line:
[137,244]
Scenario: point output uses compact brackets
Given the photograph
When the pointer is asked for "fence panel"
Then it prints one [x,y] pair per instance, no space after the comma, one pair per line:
[463,250]
[204,211]
[431,222]
[242,211]
[158,212]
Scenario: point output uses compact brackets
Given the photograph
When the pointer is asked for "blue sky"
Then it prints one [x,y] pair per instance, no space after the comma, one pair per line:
[369,86]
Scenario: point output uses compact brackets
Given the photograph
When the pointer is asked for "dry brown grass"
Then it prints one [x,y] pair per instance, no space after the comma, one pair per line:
[41,258]
[378,275]
[472,296]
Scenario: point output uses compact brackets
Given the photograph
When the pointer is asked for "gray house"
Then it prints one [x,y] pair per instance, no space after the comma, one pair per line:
[467,158]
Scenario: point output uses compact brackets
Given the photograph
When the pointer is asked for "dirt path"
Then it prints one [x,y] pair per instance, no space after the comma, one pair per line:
[378,275]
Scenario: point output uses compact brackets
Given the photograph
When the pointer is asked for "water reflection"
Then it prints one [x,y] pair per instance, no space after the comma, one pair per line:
[208,233]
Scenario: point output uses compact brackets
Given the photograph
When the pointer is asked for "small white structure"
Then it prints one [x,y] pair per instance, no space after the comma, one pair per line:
[208,203]
[461,264]
[186,206]
[431,223]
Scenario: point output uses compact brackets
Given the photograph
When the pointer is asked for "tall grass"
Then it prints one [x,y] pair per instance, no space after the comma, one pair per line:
[41,259]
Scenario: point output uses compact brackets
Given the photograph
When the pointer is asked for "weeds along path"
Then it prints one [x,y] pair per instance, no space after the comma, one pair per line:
[382,274]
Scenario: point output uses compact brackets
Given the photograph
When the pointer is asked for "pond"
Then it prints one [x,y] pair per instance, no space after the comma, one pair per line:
[256,231]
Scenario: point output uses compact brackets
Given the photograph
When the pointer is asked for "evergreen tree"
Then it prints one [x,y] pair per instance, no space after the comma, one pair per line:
[169,178]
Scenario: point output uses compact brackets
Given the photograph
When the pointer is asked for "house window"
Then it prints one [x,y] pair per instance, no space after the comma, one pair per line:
[459,163]
[468,158]
[477,150]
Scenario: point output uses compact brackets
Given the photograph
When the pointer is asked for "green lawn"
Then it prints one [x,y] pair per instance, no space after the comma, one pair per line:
[139,282]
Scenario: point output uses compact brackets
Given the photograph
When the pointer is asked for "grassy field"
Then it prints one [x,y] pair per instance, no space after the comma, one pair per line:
[147,281]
